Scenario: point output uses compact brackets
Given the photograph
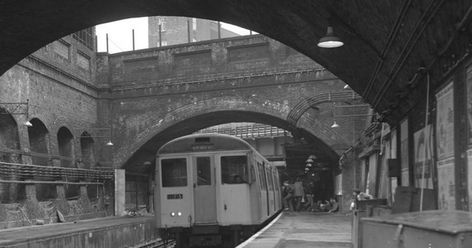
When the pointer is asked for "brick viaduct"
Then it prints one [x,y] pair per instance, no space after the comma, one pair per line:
[150,96]
[155,95]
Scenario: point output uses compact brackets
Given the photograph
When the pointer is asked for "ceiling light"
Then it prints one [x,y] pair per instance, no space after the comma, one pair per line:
[109,143]
[28,124]
[330,40]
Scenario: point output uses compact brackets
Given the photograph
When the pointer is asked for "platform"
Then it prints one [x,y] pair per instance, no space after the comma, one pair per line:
[304,229]
[84,233]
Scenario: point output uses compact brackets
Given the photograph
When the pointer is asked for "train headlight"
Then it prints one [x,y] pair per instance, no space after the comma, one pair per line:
[172,214]
[179,213]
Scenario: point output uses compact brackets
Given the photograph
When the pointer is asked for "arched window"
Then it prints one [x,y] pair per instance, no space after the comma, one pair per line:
[65,141]
[39,142]
[38,139]
[9,138]
[9,153]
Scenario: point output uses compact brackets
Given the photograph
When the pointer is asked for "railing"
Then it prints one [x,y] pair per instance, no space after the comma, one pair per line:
[46,159]
[25,173]
[214,77]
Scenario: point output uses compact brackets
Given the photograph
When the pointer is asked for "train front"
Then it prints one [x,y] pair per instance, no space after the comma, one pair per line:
[208,190]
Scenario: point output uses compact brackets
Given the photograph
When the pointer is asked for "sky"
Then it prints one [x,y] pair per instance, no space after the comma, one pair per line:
[120,34]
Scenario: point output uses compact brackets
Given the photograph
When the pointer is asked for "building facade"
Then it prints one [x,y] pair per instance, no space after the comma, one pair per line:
[178,30]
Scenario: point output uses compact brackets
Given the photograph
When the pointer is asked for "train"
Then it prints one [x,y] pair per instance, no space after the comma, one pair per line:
[213,190]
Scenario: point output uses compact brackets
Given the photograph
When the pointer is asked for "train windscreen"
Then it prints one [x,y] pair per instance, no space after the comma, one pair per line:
[234,170]
[174,172]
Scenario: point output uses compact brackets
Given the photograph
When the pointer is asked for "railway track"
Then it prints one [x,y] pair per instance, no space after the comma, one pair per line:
[157,243]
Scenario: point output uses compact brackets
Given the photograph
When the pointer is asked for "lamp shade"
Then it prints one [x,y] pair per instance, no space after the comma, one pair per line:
[330,40]
[334,125]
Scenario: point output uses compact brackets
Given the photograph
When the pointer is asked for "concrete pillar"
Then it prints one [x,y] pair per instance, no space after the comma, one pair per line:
[61,192]
[83,191]
[120,183]
[151,195]
[24,143]
[30,190]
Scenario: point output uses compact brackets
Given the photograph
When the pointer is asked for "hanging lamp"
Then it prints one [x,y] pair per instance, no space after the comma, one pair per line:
[330,40]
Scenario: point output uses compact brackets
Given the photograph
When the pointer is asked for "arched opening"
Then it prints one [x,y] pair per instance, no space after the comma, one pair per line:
[65,146]
[86,149]
[9,139]
[38,139]
[140,165]
[9,153]
[292,26]
[147,150]
[88,159]
[39,142]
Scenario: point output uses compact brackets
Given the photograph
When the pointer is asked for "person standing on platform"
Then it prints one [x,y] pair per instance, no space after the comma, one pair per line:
[288,196]
[298,193]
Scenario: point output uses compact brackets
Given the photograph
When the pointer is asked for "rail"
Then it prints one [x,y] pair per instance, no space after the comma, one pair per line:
[157,243]
[215,77]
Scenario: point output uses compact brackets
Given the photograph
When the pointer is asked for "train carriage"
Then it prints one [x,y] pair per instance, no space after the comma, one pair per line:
[211,188]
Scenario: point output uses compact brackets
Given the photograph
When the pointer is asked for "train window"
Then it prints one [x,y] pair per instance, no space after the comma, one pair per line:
[234,169]
[270,181]
[203,171]
[174,172]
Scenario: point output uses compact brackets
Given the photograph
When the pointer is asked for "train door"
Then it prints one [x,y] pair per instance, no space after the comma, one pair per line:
[270,191]
[265,185]
[204,189]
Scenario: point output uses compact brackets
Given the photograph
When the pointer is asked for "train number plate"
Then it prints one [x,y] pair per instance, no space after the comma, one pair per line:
[175,196]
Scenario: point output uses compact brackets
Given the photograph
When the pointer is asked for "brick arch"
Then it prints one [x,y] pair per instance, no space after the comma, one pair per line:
[192,117]
[295,25]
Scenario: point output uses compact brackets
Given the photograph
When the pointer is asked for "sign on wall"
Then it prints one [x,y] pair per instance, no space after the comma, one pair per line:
[445,122]
[469,102]
[469,122]
[446,184]
[445,147]
[423,148]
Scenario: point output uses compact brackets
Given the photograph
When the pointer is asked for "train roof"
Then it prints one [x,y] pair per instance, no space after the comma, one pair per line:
[204,142]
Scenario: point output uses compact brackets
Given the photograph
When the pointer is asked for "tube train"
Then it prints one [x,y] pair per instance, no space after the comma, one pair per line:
[213,190]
